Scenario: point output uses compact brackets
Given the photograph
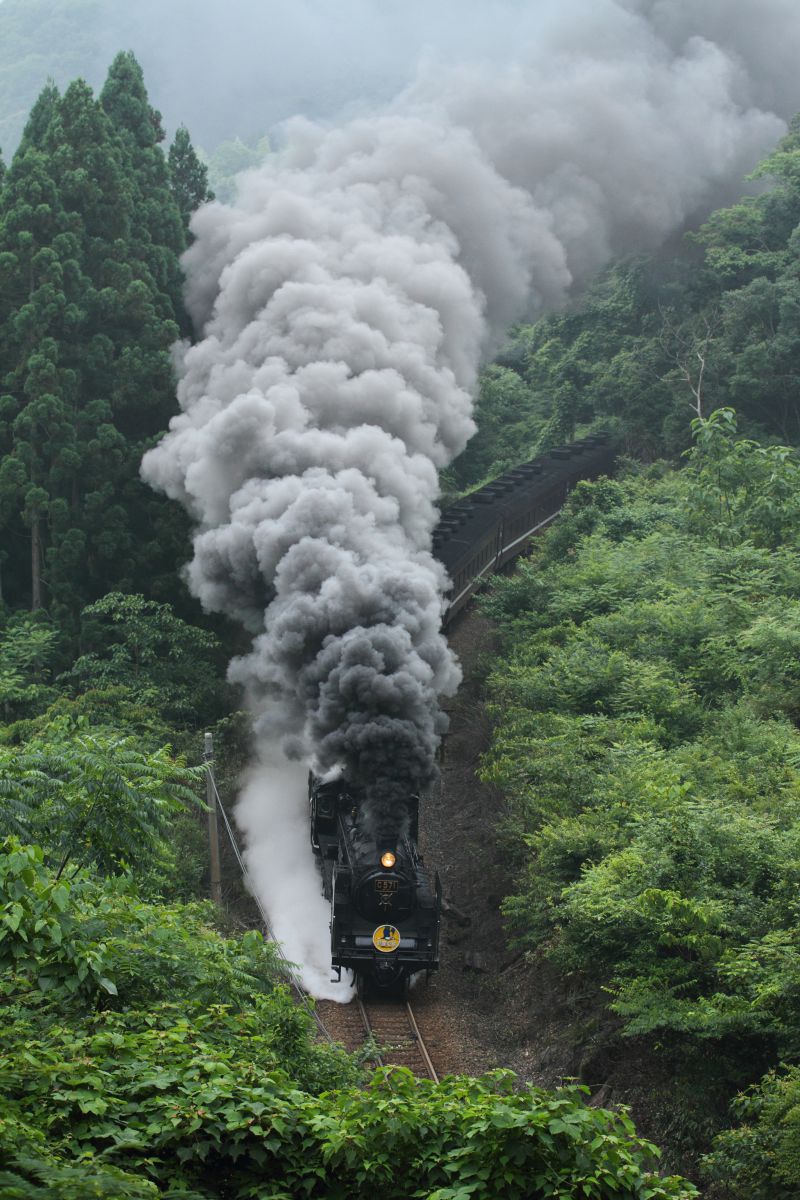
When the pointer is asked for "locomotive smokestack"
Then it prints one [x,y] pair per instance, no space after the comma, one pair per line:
[345,301]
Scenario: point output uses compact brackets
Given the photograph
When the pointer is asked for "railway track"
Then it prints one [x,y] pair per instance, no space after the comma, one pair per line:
[390,1027]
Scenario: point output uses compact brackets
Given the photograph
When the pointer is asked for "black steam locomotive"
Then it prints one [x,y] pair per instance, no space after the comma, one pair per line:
[384,914]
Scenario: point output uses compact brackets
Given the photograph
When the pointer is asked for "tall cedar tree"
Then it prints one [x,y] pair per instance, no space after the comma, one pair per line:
[188,176]
[89,239]
[40,312]
[157,234]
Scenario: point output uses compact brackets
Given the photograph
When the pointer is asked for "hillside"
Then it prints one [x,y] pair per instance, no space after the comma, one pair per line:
[616,821]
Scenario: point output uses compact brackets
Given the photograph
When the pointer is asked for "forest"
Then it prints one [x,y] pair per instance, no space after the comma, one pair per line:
[644,712]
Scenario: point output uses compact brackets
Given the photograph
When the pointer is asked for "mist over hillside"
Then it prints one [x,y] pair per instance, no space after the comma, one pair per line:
[237,69]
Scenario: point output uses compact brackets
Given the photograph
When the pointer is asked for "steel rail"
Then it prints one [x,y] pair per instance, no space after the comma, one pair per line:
[399,1008]
[377,1057]
[426,1058]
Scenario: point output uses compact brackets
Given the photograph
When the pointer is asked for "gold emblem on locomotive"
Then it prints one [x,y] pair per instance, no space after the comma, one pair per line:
[386,938]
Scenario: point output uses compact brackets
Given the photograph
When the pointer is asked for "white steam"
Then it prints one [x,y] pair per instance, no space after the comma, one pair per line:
[345,301]
[273,815]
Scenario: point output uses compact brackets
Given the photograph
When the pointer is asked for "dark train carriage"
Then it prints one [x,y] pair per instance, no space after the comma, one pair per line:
[482,532]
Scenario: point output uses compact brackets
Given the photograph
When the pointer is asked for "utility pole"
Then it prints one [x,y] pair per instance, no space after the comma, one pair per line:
[213,829]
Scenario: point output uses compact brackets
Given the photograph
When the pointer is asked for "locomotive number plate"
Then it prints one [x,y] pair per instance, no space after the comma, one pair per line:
[386,938]
[385,890]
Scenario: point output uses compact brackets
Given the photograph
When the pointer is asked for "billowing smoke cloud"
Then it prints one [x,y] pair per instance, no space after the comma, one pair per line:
[333,379]
[762,38]
[617,148]
[257,62]
[345,302]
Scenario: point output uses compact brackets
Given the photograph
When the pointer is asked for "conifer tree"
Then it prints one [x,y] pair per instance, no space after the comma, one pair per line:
[157,232]
[188,176]
[40,117]
[33,303]
[64,200]
[151,318]
[85,373]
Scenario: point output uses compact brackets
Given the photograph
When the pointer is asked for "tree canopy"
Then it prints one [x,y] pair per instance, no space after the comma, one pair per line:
[90,234]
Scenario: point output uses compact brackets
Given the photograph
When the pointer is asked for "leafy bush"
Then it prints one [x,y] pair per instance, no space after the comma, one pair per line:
[98,940]
[203,1123]
[163,662]
[759,1158]
[28,645]
[741,489]
[40,935]
[143,1054]
[95,796]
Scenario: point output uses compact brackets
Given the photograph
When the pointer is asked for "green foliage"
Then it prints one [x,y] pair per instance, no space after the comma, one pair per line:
[144,1054]
[27,649]
[161,661]
[741,489]
[668,914]
[509,416]
[759,1158]
[237,1130]
[76,936]
[34,1174]
[94,796]
[645,710]
[89,241]
[653,344]
[156,229]
[40,938]
[188,176]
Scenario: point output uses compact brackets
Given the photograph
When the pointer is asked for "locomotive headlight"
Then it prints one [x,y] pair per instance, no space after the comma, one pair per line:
[388,859]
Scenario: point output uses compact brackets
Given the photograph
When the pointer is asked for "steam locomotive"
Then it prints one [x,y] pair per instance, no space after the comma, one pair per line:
[385,915]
